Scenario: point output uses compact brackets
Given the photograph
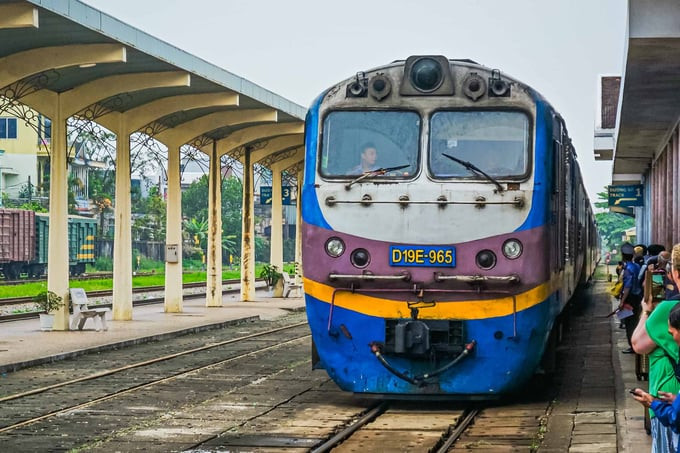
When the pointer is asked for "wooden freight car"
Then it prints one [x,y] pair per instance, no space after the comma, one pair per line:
[24,243]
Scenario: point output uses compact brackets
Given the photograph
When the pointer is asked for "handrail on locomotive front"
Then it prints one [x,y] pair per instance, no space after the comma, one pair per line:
[420,292]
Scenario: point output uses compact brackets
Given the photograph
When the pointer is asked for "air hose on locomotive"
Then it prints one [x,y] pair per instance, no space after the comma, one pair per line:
[420,381]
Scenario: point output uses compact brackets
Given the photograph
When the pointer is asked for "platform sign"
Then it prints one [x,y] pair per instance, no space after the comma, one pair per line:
[626,196]
[287,195]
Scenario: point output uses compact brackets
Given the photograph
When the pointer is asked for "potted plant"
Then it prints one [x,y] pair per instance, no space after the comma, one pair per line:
[273,278]
[45,302]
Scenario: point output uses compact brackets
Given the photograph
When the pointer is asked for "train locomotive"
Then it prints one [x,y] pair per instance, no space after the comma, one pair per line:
[439,264]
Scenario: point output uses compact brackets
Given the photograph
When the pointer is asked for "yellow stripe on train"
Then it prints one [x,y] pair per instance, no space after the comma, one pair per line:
[87,247]
[468,309]
[89,237]
[85,256]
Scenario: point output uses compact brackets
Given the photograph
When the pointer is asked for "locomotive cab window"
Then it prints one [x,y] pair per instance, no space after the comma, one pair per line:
[358,142]
[495,142]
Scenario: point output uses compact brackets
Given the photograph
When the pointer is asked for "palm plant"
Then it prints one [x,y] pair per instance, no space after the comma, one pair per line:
[197,230]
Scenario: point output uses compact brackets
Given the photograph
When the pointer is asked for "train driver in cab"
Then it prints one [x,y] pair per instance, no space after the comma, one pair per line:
[369,155]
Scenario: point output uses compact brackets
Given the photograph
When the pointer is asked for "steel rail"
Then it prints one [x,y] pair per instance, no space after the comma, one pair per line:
[109,292]
[365,419]
[458,430]
[138,303]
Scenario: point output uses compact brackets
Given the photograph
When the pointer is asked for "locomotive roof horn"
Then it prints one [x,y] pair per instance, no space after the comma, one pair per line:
[474,86]
[497,87]
[357,89]
[379,87]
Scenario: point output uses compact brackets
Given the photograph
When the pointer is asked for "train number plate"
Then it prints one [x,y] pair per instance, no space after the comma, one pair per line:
[422,255]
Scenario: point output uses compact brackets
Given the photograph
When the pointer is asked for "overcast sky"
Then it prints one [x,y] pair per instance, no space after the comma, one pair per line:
[297,48]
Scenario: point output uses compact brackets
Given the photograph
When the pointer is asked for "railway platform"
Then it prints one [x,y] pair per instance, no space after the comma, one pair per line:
[590,410]
[23,344]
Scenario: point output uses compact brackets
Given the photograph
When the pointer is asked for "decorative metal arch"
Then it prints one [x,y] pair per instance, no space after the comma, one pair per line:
[278,156]
[11,95]
[239,152]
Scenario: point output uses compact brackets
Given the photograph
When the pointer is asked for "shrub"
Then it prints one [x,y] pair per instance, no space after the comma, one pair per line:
[47,301]
[103,263]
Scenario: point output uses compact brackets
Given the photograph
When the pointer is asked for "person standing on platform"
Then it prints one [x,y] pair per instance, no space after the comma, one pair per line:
[652,337]
[666,408]
[639,253]
[631,294]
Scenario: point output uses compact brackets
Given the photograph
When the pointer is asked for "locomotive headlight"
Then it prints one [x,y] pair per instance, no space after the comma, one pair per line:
[512,249]
[360,258]
[486,259]
[426,74]
[335,247]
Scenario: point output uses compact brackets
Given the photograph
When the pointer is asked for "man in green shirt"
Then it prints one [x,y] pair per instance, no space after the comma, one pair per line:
[651,337]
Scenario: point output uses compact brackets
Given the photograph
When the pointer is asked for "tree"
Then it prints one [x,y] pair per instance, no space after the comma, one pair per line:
[612,225]
[150,224]
[101,188]
[195,206]
[197,232]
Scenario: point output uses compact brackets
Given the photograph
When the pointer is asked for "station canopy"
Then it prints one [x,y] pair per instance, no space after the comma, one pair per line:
[64,45]
[649,103]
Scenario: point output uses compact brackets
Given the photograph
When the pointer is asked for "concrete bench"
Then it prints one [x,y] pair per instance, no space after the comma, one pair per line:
[289,285]
[81,312]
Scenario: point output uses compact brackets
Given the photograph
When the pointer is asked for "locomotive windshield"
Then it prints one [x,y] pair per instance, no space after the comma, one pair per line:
[495,142]
[358,142]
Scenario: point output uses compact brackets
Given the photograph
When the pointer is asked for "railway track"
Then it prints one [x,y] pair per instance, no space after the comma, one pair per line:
[243,388]
[108,293]
[66,395]
[85,277]
[21,281]
[388,427]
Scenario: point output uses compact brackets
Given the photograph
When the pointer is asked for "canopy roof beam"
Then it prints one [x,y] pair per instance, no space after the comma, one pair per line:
[20,65]
[205,124]
[142,116]
[18,15]
[246,136]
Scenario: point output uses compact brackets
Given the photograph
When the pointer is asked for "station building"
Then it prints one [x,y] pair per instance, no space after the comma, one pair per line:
[644,139]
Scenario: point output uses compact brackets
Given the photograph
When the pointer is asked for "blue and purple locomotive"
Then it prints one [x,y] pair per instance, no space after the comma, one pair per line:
[445,227]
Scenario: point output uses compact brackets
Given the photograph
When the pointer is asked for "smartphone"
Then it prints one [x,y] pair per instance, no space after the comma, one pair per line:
[632,391]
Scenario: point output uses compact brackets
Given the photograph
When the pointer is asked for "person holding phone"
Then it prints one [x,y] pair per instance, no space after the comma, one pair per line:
[658,334]
[666,408]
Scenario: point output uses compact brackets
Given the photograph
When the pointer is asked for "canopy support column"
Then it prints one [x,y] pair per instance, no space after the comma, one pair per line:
[248,228]
[276,249]
[213,296]
[298,230]
[173,234]
[58,271]
[122,252]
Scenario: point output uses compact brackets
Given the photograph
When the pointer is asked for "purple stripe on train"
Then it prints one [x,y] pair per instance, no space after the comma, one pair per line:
[532,266]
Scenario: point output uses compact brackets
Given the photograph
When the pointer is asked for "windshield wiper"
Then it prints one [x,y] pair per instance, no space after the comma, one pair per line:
[378,172]
[475,169]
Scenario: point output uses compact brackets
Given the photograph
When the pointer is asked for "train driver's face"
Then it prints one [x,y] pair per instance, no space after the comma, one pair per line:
[369,156]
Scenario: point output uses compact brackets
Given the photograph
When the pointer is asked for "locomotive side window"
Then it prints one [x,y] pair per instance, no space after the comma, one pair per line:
[393,136]
[495,142]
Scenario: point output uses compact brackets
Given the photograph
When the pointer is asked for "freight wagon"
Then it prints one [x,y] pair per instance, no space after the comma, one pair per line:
[24,243]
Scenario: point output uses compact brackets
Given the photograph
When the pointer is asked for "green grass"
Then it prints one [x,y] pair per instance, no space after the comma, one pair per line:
[31,289]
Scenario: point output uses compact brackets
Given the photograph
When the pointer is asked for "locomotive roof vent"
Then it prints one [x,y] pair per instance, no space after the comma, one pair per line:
[427,75]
